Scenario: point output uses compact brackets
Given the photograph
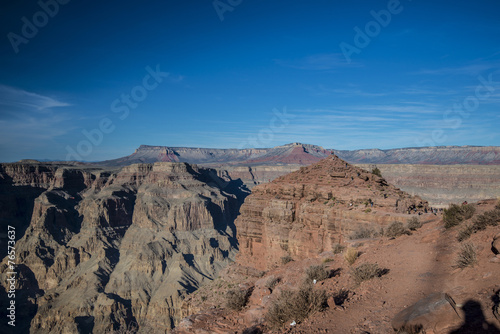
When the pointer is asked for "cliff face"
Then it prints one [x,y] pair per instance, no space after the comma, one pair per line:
[100,250]
[440,155]
[304,213]
[441,185]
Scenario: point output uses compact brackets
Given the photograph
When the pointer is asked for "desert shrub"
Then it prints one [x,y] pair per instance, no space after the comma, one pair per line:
[455,214]
[466,232]
[413,224]
[365,272]
[367,210]
[236,299]
[337,248]
[377,172]
[295,305]
[317,273]
[362,233]
[285,259]
[328,259]
[396,229]
[466,256]
[489,218]
[351,254]
[272,282]
[340,296]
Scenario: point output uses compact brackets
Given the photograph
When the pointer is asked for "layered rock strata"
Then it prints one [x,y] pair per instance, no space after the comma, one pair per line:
[305,212]
[101,250]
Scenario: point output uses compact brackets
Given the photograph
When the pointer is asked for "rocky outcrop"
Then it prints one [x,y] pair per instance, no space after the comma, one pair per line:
[107,249]
[440,175]
[304,213]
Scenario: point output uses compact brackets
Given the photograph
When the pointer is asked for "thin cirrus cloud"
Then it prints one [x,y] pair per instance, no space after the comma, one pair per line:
[27,117]
[471,69]
[317,62]
[15,98]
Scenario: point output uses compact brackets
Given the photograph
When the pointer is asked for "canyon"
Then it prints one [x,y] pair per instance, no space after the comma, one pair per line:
[440,175]
[133,244]
[99,250]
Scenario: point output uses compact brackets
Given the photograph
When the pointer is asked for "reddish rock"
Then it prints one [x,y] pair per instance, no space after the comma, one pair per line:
[305,212]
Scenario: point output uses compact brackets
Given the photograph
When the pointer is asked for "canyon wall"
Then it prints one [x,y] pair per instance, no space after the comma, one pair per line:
[444,184]
[102,250]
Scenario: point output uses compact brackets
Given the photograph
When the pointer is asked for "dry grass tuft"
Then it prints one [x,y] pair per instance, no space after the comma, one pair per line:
[413,224]
[365,272]
[467,256]
[350,255]
[236,299]
[396,229]
[318,273]
[295,306]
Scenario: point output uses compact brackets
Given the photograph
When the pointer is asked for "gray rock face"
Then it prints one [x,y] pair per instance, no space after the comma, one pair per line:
[107,249]
[434,311]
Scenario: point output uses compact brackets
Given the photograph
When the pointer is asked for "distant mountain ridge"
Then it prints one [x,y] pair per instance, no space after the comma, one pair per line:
[305,154]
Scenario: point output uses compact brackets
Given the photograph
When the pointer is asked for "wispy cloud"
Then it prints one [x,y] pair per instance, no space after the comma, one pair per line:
[28,119]
[15,98]
[317,62]
[471,69]
[321,90]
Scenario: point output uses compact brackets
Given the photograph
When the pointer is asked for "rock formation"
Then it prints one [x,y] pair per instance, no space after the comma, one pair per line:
[305,212]
[106,249]
[440,175]
[305,154]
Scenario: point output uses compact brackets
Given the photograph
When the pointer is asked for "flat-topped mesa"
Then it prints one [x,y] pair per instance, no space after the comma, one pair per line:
[305,212]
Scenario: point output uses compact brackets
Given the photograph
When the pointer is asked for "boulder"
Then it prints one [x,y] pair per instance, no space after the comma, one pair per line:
[436,311]
[495,244]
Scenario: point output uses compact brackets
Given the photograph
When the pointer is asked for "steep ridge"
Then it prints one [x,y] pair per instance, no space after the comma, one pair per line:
[305,212]
[107,249]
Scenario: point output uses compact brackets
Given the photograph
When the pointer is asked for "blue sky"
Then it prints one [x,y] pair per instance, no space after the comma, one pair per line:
[94,80]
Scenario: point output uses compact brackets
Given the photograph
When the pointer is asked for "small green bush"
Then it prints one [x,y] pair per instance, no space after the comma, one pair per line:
[295,306]
[467,256]
[489,218]
[396,229]
[365,272]
[376,171]
[318,273]
[413,224]
[466,232]
[350,255]
[456,214]
[285,259]
[236,299]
